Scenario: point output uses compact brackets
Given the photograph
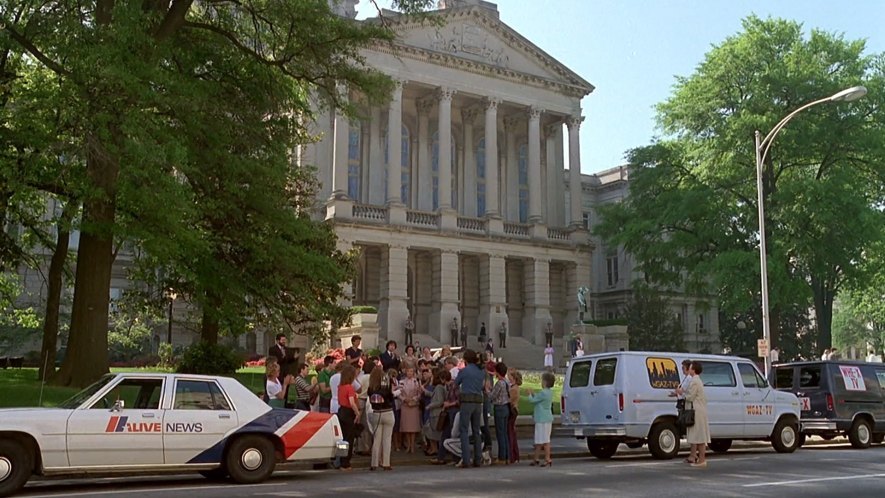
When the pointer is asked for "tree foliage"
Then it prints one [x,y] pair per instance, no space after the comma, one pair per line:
[691,218]
[651,324]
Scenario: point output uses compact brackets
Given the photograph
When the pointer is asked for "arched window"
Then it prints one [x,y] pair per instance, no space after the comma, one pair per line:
[434,162]
[523,163]
[405,167]
[481,177]
[354,161]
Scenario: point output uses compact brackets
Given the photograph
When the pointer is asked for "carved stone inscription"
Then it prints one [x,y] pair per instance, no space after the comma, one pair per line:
[469,40]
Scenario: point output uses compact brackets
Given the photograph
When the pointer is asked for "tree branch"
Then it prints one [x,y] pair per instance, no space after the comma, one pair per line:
[174,19]
[39,55]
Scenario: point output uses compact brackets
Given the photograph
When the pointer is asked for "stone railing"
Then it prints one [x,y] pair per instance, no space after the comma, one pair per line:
[471,224]
[368,212]
[558,233]
[517,229]
[422,218]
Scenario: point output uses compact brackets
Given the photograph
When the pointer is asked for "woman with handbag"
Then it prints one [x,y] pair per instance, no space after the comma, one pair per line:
[695,416]
[410,412]
[436,424]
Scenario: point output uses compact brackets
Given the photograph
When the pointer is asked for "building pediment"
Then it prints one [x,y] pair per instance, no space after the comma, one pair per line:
[476,38]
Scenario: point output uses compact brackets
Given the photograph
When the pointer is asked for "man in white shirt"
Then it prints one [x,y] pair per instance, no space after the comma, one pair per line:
[452,366]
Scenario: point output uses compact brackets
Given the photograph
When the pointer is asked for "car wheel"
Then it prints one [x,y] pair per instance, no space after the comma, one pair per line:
[663,441]
[800,439]
[218,474]
[16,466]
[860,435]
[602,449]
[250,459]
[720,445]
[785,437]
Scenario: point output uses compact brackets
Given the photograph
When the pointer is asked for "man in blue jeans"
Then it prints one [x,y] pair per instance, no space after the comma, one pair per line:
[471,381]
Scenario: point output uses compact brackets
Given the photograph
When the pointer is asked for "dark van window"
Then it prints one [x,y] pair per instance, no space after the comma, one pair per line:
[605,372]
[880,374]
[580,374]
[718,374]
[809,377]
[783,378]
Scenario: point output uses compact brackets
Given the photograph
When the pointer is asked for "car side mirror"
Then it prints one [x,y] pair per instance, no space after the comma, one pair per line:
[118,406]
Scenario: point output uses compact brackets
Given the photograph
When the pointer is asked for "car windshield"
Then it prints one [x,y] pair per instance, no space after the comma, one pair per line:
[78,399]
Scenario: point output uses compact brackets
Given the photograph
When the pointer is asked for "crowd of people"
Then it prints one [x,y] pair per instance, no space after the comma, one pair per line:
[419,401]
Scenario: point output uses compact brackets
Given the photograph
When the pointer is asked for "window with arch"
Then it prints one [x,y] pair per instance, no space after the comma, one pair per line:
[523,166]
[481,177]
[405,166]
[354,161]
[434,162]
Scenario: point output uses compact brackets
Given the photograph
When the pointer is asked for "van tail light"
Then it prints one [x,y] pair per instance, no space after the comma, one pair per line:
[562,404]
[621,401]
[830,405]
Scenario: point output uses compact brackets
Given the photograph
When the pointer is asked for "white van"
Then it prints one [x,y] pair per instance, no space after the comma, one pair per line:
[622,397]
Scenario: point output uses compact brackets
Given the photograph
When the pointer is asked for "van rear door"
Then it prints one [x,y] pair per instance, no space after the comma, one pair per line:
[812,395]
[605,407]
[576,393]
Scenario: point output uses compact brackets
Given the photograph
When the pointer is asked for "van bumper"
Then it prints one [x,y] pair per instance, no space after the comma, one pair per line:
[594,430]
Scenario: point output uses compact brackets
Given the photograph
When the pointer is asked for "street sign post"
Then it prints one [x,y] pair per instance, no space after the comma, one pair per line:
[762,347]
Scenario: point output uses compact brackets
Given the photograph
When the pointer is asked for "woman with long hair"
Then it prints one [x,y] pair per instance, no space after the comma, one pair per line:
[435,407]
[381,418]
[515,379]
[348,411]
[275,390]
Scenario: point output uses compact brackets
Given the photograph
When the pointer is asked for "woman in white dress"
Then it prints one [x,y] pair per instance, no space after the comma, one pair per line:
[698,435]
[548,356]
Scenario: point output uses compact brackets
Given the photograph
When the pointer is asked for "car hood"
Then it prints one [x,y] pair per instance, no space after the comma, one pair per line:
[32,414]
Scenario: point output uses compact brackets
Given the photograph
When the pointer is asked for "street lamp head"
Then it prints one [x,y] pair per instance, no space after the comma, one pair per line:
[849,94]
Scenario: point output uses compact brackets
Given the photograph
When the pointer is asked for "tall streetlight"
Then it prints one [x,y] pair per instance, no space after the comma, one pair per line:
[762,146]
[171,295]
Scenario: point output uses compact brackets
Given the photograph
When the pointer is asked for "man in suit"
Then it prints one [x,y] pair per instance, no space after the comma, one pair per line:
[285,357]
[389,358]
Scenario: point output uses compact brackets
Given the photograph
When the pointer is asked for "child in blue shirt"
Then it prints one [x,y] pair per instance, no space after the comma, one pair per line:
[543,418]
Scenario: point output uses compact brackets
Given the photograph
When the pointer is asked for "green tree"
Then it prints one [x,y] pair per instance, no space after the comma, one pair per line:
[691,220]
[651,324]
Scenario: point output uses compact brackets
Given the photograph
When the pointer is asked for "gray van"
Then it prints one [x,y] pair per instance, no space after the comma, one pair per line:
[837,398]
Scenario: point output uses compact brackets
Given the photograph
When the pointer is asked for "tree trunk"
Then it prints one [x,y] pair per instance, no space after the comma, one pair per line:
[209,326]
[53,293]
[87,355]
[823,312]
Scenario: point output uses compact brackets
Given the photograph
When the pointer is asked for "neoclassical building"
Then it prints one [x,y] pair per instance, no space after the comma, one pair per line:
[456,193]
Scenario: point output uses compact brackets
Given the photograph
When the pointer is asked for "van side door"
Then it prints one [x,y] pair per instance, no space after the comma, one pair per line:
[760,410]
[725,404]
[811,391]
[880,418]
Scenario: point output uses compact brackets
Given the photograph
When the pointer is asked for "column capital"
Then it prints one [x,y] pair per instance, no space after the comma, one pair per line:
[550,130]
[425,105]
[469,114]
[491,103]
[512,122]
[445,93]
[534,112]
[574,121]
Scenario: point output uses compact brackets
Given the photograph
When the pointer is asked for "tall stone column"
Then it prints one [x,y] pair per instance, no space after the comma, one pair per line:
[510,197]
[574,170]
[394,145]
[468,118]
[535,213]
[394,309]
[554,175]
[445,148]
[492,293]
[425,171]
[340,155]
[376,160]
[445,295]
[491,137]
[347,295]
[537,302]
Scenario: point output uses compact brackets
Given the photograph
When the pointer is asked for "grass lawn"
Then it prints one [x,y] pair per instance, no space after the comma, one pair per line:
[21,387]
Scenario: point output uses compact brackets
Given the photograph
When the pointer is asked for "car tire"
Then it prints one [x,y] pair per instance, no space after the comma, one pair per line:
[250,459]
[602,449]
[785,437]
[800,439]
[16,466]
[663,441]
[218,474]
[861,434]
[720,445]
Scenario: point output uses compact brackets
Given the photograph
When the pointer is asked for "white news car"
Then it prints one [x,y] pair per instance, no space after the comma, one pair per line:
[157,422]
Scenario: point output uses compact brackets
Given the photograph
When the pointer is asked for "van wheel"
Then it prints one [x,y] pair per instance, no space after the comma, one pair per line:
[720,445]
[785,437]
[860,435]
[250,459]
[663,441]
[602,449]
[16,465]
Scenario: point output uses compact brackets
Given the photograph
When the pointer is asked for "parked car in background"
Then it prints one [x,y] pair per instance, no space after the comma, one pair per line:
[837,398]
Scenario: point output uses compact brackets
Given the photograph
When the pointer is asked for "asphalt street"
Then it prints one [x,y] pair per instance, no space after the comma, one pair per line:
[821,470]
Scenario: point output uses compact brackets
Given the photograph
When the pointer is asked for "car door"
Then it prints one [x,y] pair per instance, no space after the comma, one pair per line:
[576,393]
[130,433]
[759,413]
[200,417]
[725,404]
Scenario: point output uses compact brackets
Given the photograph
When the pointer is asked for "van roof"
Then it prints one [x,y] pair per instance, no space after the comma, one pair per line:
[693,356]
[820,362]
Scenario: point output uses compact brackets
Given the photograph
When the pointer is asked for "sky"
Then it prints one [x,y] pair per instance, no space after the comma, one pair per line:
[632,51]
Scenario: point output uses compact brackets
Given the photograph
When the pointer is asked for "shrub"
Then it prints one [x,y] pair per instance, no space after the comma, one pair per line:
[209,359]
[167,355]
[363,309]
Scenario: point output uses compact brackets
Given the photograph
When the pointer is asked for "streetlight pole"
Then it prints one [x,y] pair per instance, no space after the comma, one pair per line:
[171,296]
[762,146]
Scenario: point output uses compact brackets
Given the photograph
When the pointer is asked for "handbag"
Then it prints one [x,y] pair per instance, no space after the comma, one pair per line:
[685,417]
[442,421]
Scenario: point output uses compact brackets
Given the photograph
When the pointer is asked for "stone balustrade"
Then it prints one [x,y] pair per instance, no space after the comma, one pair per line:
[422,218]
[558,233]
[371,213]
[467,224]
[521,230]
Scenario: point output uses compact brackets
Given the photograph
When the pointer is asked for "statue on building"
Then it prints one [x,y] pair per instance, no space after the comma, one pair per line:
[582,302]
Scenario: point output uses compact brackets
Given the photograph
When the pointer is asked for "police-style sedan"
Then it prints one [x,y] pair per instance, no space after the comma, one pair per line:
[159,422]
